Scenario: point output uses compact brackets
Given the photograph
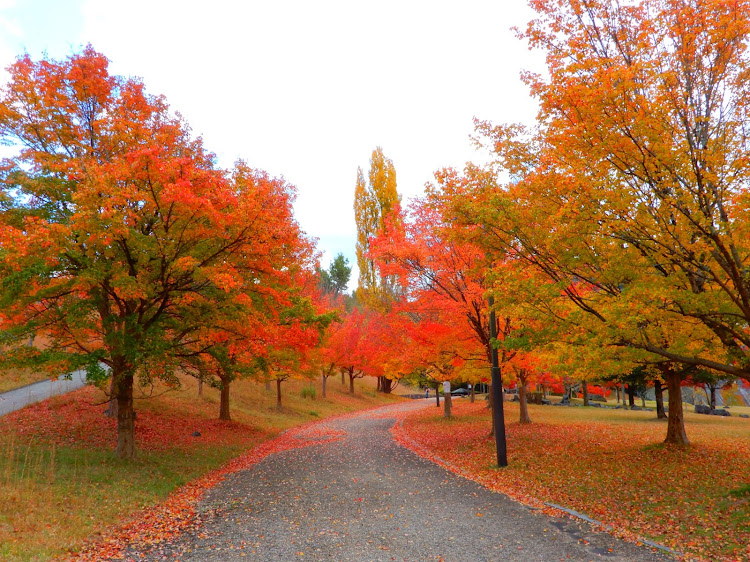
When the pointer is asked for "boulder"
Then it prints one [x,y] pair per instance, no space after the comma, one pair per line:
[720,413]
[744,416]
[702,409]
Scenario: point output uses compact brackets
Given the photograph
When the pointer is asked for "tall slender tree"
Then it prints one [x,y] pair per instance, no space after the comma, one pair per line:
[374,201]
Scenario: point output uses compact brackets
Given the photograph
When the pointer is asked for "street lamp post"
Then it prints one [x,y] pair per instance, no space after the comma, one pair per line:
[497,395]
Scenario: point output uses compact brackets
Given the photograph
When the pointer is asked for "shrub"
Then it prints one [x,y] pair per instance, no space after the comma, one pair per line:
[308,392]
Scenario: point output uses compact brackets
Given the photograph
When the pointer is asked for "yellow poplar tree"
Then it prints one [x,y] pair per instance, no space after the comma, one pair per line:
[374,201]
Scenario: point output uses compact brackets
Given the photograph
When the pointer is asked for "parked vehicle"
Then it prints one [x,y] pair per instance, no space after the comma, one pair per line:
[460,392]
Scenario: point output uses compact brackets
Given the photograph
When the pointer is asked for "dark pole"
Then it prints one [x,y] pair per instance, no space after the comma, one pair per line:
[497,395]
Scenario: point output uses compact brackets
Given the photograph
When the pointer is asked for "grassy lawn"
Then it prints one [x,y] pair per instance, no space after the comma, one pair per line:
[60,482]
[612,466]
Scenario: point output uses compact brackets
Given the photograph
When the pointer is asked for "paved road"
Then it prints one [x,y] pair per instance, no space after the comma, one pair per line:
[16,399]
[366,498]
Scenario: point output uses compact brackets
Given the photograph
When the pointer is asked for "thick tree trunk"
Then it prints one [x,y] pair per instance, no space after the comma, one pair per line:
[471,396]
[200,387]
[111,411]
[524,408]
[622,391]
[447,405]
[675,420]
[224,400]
[617,394]
[585,390]
[125,415]
[380,384]
[659,393]
[387,385]
[278,393]
[437,394]
[631,395]
[351,383]
[323,389]
[713,397]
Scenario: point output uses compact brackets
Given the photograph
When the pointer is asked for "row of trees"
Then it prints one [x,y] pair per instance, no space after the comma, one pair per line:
[134,256]
[612,235]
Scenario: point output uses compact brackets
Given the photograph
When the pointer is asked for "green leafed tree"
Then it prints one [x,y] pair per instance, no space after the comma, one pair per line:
[333,281]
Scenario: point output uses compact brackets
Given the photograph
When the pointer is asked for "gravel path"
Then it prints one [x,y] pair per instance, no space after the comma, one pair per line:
[364,497]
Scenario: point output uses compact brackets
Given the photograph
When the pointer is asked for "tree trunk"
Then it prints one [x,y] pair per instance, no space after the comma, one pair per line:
[491,406]
[224,400]
[631,395]
[323,389]
[676,420]
[387,385]
[200,387]
[125,415]
[524,409]
[659,393]
[585,390]
[471,396]
[380,384]
[713,397]
[622,391]
[447,405]
[111,411]
[268,384]
[617,394]
[351,383]
[278,393]
[437,394]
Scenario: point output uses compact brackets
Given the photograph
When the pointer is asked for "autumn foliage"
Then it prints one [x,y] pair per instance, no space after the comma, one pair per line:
[122,242]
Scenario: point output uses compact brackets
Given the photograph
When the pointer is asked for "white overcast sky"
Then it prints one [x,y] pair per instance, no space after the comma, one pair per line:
[307,89]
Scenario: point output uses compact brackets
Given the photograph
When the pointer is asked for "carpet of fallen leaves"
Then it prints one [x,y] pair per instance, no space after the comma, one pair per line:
[609,465]
[76,419]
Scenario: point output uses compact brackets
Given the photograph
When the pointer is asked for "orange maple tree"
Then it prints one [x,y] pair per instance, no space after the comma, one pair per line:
[123,241]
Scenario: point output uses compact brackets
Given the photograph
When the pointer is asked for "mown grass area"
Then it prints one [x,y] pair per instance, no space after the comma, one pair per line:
[612,465]
[60,482]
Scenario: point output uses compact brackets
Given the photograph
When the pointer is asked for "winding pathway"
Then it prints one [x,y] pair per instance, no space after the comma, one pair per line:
[362,497]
